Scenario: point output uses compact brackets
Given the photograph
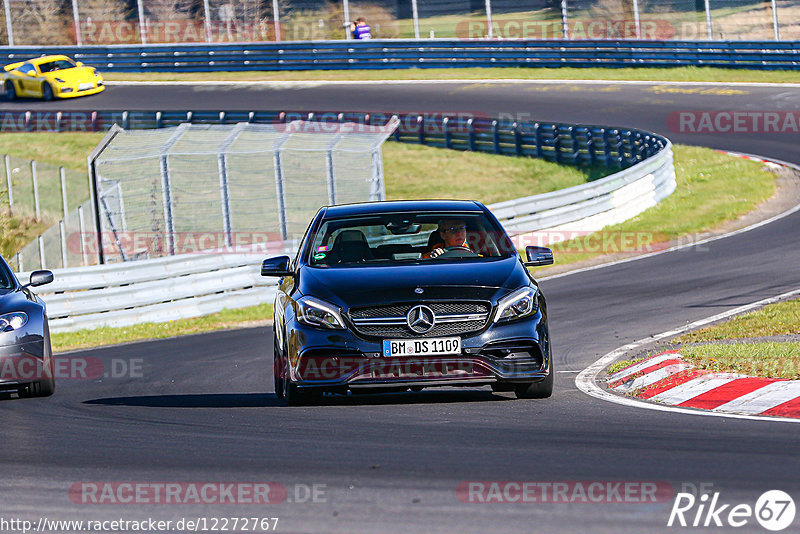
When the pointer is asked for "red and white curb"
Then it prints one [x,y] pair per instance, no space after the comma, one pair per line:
[667,379]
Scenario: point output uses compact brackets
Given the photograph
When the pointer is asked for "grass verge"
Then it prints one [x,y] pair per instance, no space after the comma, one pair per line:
[781,318]
[677,74]
[713,188]
[768,359]
[242,317]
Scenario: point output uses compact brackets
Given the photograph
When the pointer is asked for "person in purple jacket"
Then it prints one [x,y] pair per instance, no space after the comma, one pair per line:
[361,29]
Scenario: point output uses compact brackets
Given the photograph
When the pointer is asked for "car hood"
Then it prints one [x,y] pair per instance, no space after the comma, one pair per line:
[358,286]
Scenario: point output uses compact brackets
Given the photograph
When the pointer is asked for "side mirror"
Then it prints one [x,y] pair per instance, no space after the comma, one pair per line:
[278,266]
[31,73]
[40,278]
[538,256]
[79,64]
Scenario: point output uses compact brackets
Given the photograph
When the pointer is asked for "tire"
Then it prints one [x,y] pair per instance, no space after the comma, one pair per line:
[47,386]
[277,369]
[536,390]
[10,91]
[295,396]
[47,92]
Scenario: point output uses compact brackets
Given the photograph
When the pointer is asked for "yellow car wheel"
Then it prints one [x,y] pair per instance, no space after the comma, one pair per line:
[11,93]
[47,92]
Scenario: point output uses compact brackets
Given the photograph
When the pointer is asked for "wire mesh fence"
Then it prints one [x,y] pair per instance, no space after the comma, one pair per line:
[82,22]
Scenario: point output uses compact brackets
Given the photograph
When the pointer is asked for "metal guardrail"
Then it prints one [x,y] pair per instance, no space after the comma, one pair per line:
[427,53]
[185,286]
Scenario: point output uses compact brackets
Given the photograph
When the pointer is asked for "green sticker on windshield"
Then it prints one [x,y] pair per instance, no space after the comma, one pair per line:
[319,256]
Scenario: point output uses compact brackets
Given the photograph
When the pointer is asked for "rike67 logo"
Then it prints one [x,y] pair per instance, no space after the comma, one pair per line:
[774,510]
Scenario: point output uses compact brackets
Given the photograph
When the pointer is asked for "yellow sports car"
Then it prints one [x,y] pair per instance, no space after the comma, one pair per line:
[50,77]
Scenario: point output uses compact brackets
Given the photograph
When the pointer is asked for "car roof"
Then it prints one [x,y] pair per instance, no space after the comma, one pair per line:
[394,206]
[45,59]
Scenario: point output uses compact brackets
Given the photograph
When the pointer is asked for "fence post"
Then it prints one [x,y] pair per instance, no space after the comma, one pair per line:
[8,181]
[207,20]
[471,131]
[636,21]
[35,181]
[167,195]
[9,29]
[708,20]
[42,264]
[496,136]
[490,33]
[226,201]
[142,29]
[415,15]
[330,175]
[63,231]
[20,266]
[276,20]
[775,28]
[421,132]
[346,9]
[77,18]
[63,175]
[446,132]
[564,19]
[82,226]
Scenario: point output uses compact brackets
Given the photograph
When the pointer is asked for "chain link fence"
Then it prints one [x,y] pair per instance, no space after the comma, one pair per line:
[103,22]
[211,188]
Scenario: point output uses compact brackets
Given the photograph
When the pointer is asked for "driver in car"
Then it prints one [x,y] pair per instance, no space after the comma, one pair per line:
[452,234]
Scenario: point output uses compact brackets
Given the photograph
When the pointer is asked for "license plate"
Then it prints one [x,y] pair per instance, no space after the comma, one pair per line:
[421,347]
[85,86]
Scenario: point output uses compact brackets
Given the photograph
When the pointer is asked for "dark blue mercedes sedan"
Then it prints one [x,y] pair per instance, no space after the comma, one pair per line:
[26,358]
[392,296]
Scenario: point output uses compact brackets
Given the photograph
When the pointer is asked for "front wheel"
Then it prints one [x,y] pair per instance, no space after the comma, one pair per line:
[536,390]
[11,92]
[47,92]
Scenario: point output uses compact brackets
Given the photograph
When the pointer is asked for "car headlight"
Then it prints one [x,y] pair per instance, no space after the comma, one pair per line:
[315,312]
[13,321]
[520,303]
[59,80]
[96,73]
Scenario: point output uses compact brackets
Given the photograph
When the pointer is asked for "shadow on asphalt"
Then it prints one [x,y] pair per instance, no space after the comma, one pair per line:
[263,400]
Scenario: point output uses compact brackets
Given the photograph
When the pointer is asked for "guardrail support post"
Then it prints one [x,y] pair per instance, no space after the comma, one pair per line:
[9,189]
[471,133]
[496,136]
[420,132]
[35,184]
[446,132]
[517,138]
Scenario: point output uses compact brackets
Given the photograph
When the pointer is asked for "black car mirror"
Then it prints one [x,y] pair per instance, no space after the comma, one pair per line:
[278,266]
[40,278]
[538,256]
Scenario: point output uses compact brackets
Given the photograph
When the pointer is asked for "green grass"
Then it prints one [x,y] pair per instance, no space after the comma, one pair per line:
[678,74]
[768,360]
[777,319]
[712,188]
[107,336]
[620,365]
[416,171]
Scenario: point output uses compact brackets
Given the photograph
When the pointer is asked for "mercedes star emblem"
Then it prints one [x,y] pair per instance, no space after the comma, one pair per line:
[420,319]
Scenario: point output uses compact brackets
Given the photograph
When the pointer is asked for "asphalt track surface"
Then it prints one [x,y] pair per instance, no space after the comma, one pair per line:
[203,408]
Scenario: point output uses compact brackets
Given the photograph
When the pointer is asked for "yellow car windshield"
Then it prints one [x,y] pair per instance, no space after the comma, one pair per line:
[58,64]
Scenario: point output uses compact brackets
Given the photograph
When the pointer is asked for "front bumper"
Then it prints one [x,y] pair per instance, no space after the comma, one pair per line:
[23,362]
[66,91]
[514,352]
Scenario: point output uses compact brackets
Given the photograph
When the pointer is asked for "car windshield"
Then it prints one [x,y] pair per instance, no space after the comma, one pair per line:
[58,64]
[393,238]
[6,279]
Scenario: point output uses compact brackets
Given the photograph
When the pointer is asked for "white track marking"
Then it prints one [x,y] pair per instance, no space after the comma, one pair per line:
[695,387]
[763,399]
[652,378]
[640,366]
